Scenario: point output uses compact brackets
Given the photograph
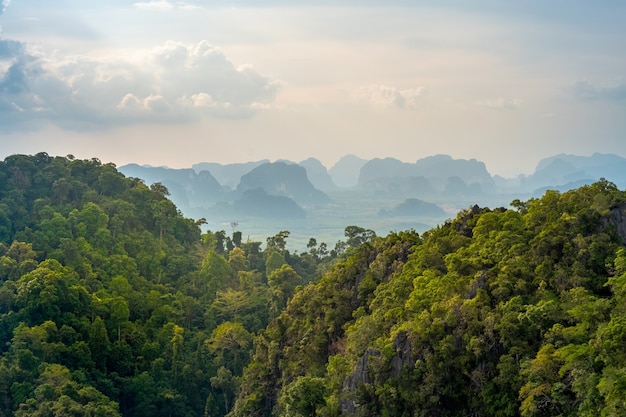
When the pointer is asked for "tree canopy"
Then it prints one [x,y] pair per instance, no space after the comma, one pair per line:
[113,303]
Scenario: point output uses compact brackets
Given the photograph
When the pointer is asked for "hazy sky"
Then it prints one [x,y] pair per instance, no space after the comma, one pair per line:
[179,82]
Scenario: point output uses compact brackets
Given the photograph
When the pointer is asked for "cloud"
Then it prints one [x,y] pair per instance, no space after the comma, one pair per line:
[154,5]
[500,103]
[386,97]
[172,83]
[588,91]
[3,5]
[164,5]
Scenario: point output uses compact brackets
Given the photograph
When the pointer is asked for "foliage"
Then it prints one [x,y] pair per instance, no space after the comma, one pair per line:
[113,303]
[504,312]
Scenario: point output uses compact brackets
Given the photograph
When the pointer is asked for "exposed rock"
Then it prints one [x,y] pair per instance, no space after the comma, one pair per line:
[617,219]
[402,346]
[361,375]
[364,374]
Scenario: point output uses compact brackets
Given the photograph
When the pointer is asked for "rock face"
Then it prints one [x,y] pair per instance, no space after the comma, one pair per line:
[361,375]
[284,180]
[364,372]
[617,219]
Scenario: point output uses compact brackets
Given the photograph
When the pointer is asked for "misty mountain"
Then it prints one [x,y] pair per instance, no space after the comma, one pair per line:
[283,179]
[318,175]
[345,173]
[413,207]
[439,180]
[565,169]
[258,203]
[228,175]
[187,188]
[433,177]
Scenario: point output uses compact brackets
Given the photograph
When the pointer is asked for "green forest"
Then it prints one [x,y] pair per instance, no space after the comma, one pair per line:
[113,303]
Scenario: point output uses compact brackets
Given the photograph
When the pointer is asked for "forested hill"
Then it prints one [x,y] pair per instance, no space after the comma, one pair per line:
[495,313]
[112,303]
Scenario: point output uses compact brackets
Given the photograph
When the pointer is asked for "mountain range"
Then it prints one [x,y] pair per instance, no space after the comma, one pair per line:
[382,194]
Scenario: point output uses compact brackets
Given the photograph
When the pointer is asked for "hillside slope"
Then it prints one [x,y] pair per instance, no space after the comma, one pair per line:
[495,313]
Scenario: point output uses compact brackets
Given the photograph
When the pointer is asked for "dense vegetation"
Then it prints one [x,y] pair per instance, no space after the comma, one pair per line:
[114,304]
[495,313]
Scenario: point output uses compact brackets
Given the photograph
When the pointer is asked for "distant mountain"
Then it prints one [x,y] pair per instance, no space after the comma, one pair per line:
[345,173]
[187,188]
[318,175]
[413,207]
[228,175]
[438,175]
[565,169]
[257,203]
[377,168]
[444,166]
[364,188]
[283,179]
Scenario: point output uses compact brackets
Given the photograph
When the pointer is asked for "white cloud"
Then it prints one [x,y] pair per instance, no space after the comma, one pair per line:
[174,82]
[500,103]
[385,97]
[164,5]
[154,5]
[3,5]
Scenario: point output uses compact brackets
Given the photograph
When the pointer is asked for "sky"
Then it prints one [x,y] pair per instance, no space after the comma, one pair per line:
[174,83]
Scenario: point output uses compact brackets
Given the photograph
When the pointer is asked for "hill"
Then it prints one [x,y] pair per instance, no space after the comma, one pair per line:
[413,207]
[112,303]
[228,175]
[285,180]
[431,177]
[190,191]
[508,312]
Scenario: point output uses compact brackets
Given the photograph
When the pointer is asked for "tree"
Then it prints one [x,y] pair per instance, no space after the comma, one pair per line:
[279,240]
[99,343]
[274,261]
[218,272]
[357,236]
[303,397]
[237,260]
[230,343]
[225,382]
[282,283]
[57,394]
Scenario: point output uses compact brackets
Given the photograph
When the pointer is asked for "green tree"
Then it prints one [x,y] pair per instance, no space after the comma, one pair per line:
[303,397]
[230,343]
[282,284]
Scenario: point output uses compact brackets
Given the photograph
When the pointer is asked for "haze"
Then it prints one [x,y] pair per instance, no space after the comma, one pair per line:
[176,83]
